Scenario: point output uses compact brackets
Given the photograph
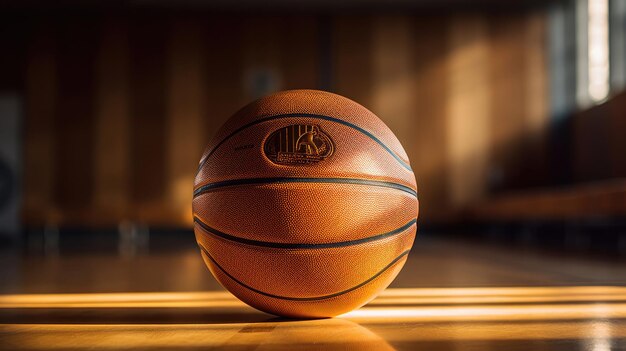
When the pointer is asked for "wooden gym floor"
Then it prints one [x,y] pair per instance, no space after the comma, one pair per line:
[451,295]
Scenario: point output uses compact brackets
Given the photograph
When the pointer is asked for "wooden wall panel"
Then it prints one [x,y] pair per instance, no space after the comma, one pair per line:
[224,72]
[137,98]
[535,53]
[429,137]
[468,109]
[39,132]
[284,49]
[74,125]
[300,52]
[507,108]
[261,53]
[519,103]
[113,139]
[536,118]
[352,47]
[148,108]
[186,110]
[393,70]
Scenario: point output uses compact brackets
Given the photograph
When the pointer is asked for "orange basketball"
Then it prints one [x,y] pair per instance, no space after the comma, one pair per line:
[305,205]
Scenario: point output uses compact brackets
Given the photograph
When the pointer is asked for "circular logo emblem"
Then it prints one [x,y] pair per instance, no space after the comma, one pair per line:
[298,144]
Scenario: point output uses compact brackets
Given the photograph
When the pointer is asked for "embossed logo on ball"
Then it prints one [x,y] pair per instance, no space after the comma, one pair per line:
[298,144]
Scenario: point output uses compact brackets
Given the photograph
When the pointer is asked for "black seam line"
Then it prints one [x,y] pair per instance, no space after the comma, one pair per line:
[316,298]
[247,181]
[278,245]
[308,115]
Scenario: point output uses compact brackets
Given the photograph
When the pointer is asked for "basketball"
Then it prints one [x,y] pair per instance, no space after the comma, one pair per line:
[305,205]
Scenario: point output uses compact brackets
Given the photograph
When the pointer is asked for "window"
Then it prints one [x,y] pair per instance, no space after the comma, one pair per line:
[587,48]
[617,44]
[597,89]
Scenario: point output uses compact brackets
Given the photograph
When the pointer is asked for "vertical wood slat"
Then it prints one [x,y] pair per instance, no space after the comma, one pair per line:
[393,69]
[261,55]
[74,118]
[39,137]
[299,52]
[467,109]
[224,72]
[113,139]
[536,87]
[429,151]
[534,44]
[353,42]
[186,112]
[148,109]
[507,78]
[159,97]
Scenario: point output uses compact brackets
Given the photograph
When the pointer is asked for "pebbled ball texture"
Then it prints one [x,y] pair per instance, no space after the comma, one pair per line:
[305,205]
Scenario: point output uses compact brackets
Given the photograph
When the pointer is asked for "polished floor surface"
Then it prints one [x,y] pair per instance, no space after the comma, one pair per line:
[451,295]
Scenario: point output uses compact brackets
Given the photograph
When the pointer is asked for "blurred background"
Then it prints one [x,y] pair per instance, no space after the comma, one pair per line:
[513,114]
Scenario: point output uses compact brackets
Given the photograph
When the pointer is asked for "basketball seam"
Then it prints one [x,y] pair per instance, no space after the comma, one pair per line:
[276,180]
[277,245]
[317,298]
[308,115]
